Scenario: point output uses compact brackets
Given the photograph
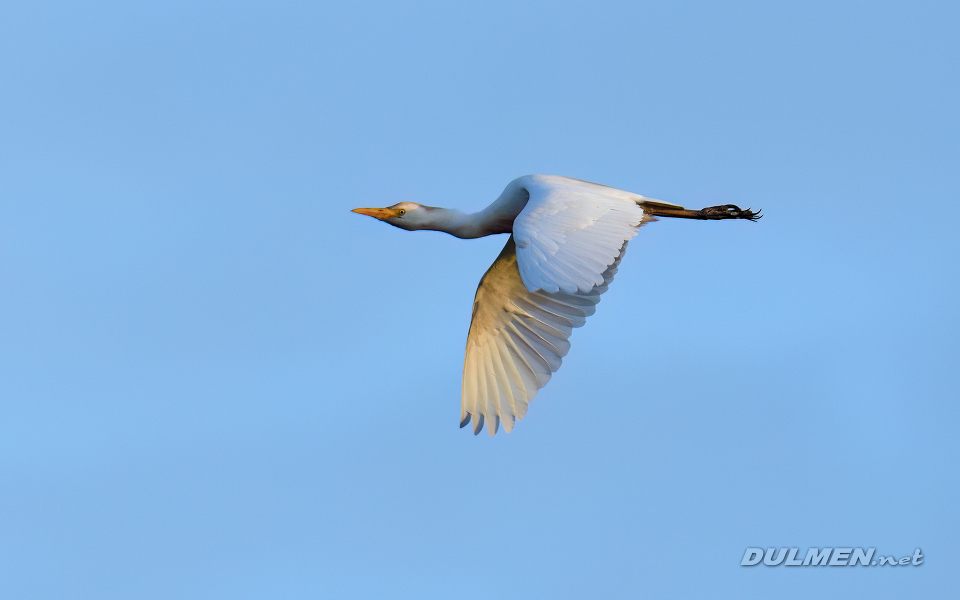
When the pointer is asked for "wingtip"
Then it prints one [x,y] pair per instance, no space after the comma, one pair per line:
[477,424]
[493,426]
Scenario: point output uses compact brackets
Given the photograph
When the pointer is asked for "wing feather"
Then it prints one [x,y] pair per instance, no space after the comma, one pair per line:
[570,231]
[517,340]
[493,392]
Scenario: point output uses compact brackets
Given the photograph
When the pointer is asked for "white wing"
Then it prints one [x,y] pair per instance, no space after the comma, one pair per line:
[570,231]
[517,339]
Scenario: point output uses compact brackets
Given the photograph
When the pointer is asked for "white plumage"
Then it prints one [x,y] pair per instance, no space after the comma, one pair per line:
[568,237]
[570,231]
[516,341]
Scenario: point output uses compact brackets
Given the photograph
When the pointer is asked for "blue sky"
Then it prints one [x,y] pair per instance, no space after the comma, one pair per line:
[217,382]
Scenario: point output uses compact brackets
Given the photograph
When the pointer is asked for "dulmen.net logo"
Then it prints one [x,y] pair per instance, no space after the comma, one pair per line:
[833,557]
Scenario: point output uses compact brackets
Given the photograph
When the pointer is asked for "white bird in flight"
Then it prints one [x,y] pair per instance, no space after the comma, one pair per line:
[567,239]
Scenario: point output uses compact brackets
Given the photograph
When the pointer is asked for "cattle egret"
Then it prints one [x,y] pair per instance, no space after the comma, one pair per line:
[567,239]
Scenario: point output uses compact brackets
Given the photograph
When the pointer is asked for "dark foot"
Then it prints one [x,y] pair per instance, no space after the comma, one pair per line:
[728,211]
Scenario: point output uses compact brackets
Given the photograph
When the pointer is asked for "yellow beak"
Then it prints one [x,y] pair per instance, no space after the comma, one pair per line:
[377,213]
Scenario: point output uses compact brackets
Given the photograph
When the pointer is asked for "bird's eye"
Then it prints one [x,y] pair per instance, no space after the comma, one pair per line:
[401,212]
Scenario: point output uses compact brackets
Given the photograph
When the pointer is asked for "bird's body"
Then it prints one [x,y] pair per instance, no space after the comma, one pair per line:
[568,237]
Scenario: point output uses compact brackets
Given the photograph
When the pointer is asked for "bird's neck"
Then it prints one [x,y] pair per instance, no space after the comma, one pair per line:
[496,218]
[469,226]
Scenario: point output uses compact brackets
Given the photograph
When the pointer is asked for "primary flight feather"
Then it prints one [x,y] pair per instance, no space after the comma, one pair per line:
[568,237]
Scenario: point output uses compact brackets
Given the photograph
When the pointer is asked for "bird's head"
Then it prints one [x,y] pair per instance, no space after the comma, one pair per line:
[405,215]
